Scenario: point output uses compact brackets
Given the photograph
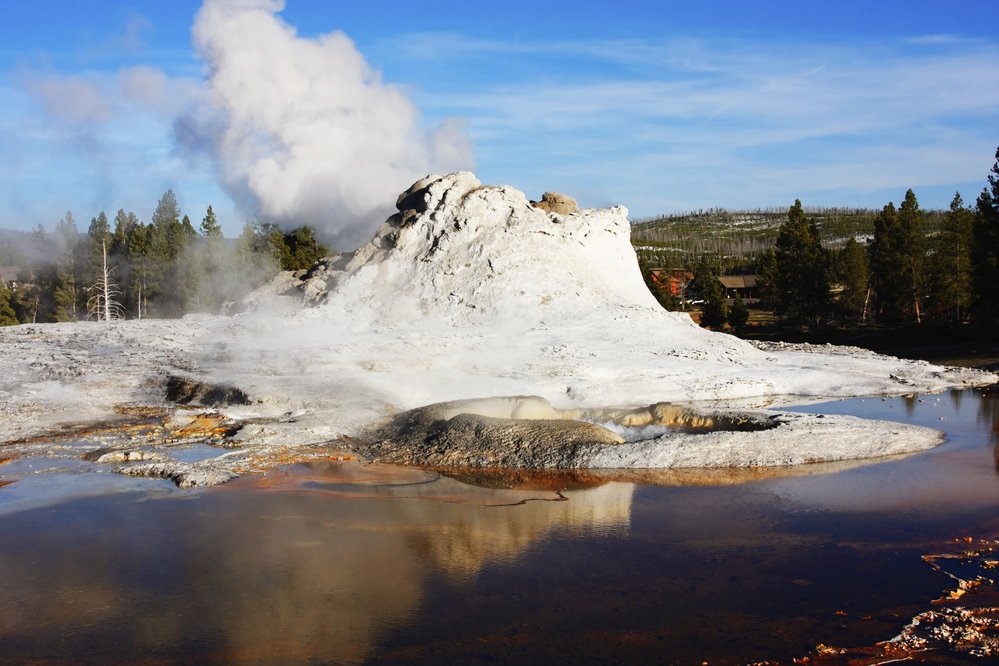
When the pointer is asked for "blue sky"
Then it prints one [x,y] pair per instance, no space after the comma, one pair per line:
[659,106]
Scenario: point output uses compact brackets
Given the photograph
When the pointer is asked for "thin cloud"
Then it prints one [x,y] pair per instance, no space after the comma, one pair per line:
[679,54]
[852,115]
[942,40]
[133,36]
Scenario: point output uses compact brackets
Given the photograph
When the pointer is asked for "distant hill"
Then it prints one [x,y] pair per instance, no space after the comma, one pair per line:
[675,239]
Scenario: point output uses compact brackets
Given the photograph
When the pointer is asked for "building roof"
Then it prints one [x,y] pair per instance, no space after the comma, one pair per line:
[738,281]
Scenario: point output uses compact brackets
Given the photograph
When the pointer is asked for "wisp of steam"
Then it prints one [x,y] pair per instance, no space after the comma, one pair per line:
[303,130]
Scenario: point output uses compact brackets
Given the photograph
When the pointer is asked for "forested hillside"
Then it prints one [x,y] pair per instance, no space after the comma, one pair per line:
[735,237]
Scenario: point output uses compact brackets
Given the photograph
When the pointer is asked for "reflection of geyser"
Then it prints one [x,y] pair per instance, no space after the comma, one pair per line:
[354,577]
[460,527]
[296,568]
[499,525]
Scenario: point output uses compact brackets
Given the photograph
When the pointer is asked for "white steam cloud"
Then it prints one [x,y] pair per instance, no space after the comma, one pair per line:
[303,130]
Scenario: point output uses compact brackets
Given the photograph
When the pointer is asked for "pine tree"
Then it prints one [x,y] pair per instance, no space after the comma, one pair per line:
[303,249]
[8,317]
[210,227]
[125,225]
[143,264]
[853,274]
[802,267]
[714,311]
[37,303]
[950,269]
[185,271]
[766,279]
[246,244]
[910,219]
[274,242]
[738,313]
[254,262]
[985,255]
[166,212]
[67,293]
[164,233]
[888,266]
[211,264]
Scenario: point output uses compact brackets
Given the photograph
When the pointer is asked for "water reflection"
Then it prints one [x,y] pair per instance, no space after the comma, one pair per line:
[314,570]
[988,419]
[319,563]
[459,527]
[343,562]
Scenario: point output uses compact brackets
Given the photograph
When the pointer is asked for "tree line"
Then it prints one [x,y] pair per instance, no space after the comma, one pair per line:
[906,272]
[124,268]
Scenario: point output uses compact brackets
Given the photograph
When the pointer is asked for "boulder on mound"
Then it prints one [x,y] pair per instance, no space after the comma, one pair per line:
[518,431]
[556,202]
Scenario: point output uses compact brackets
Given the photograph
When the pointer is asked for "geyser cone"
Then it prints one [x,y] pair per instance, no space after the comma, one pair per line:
[472,253]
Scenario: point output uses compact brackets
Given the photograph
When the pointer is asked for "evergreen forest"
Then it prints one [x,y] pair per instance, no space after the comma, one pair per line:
[833,267]
[126,269]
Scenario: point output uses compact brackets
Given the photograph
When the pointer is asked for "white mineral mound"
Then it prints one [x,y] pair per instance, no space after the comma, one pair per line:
[466,253]
[469,291]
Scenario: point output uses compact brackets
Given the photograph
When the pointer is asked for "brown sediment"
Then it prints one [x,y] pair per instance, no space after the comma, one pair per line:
[125,428]
[142,411]
[143,434]
[141,423]
[4,461]
[207,426]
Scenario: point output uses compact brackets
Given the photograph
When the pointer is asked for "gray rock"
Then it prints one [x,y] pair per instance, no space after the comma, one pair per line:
[185,475]
[493,432]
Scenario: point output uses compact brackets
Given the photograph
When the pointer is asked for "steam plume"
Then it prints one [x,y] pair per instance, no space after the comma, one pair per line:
[303,130]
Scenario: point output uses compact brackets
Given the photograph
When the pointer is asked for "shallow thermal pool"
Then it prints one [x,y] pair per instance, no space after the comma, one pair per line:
[340,562]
